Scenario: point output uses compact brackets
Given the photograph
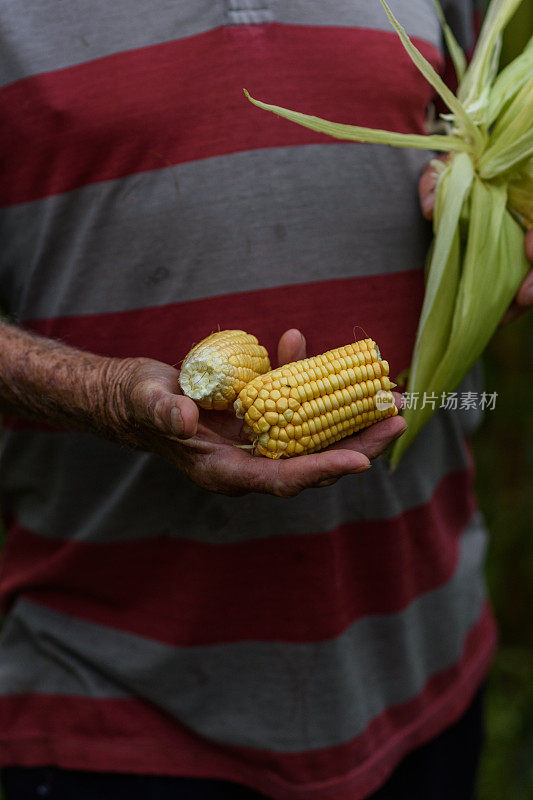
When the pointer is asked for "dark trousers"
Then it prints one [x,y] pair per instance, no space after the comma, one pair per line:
[442,769]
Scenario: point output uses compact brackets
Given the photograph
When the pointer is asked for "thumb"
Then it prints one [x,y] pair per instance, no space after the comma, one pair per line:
[174,414]
[291,347]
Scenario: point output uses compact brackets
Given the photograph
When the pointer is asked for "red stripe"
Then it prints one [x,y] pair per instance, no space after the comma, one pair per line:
[190,593]
[182,101]
[133,737]
[386,306]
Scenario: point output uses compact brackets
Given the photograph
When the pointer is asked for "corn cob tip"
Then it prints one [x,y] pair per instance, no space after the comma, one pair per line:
[217,368]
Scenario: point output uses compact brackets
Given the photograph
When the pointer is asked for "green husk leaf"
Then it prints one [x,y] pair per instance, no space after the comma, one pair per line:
[520,194]
[472,139]
[473,91]
[494,265]
[454,48]
[511,141]
[354,133]
[509,83]
[499,159]
[444,271]
[436,81]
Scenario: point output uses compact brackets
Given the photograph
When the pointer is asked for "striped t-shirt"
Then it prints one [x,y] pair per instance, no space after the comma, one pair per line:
[303,646]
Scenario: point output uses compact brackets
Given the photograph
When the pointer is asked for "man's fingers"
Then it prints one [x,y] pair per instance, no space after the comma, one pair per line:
[233,471]
[373,441]
[318,469]
[427,187]
[291,347]
[240,473]
[427,190]
[174,414]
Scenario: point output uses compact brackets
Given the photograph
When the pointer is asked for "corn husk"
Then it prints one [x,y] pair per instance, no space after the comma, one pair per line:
[484,203]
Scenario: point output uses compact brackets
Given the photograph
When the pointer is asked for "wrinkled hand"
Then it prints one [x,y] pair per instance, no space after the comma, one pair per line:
[524,297]
[158,418]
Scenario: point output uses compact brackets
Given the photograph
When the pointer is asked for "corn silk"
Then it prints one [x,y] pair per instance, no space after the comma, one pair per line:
[483,205]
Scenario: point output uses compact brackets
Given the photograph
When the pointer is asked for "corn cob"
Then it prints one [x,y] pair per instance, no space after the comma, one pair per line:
[307,405]
[217,368]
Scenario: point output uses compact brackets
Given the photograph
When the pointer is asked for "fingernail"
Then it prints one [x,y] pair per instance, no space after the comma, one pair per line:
[365,467]
[303,339]
[176,421]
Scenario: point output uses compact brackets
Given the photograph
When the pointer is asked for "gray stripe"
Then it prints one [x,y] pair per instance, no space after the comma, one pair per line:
[417,16]
[213,227]
[32,660]
[47,35]
[77,487]
[280,696]
[43,36]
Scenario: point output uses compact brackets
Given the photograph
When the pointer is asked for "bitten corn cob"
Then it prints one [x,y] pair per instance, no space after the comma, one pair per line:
[217,368]
[307,405]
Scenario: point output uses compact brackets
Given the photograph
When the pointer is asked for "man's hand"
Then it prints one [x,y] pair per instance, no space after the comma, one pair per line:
[524,297]
[206,445]
[138,402]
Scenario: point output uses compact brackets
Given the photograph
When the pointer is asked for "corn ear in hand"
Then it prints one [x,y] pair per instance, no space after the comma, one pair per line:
[308,405]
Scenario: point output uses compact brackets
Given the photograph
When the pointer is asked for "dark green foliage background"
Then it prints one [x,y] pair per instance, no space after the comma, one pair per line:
[504,458]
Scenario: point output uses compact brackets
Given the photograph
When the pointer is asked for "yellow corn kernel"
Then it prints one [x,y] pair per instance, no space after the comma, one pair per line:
[263,426]
[320,405]
[253,413]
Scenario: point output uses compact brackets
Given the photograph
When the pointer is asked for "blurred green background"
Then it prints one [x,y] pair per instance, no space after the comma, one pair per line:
[503,450]
[504,458]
